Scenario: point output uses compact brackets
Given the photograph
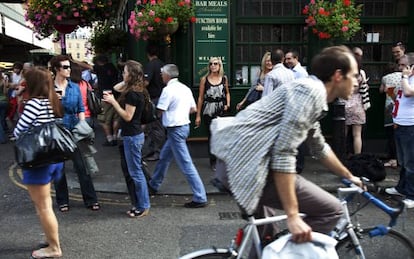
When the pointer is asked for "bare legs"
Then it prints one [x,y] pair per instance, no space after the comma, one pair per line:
[42,200]
[356,137]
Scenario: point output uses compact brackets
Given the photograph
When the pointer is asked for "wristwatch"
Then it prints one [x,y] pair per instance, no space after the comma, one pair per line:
[404,77]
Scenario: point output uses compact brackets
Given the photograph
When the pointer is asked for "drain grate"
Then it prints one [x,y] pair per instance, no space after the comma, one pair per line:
[229,215]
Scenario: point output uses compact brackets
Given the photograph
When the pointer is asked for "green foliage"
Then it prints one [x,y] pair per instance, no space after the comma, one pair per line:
[106,38]
[339,19]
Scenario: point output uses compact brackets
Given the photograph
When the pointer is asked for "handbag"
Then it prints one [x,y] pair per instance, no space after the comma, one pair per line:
[93,101]
[43,145]
[253,96]
[149,113]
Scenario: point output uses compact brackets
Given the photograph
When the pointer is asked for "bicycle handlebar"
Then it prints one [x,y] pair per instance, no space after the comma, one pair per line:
[391,211]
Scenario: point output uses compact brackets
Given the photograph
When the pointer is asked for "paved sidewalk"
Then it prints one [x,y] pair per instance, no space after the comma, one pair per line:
[110,178]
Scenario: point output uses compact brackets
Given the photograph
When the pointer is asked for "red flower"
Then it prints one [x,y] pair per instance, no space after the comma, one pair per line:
[169,19]
[347,2]
[157,20]
[181,3]
[345,22]
[193,19]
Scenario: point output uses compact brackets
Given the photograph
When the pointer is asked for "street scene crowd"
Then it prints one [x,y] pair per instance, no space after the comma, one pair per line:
[258,157]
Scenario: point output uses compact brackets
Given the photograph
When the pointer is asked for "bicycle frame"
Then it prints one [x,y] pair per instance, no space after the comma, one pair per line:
[345,225]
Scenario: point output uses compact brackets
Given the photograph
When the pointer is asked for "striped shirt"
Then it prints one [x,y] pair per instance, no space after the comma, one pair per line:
[278,76]
[267,134]
[36,112]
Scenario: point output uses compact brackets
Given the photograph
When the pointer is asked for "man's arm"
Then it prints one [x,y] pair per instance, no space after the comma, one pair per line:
[285,185]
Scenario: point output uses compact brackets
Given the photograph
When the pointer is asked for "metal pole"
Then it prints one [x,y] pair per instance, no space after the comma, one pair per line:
[339,139]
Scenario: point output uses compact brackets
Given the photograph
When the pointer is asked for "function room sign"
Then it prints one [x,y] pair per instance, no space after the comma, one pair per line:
[211,35]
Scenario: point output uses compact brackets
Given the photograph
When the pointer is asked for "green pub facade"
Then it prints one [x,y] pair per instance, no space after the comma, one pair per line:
[241,31]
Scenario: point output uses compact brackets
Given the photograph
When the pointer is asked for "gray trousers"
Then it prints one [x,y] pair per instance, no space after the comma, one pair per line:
[322,209]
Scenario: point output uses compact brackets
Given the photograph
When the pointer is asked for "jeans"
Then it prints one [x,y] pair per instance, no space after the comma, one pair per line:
[132,150]
[3,126]
[85,182]
[176,146]
[404,141]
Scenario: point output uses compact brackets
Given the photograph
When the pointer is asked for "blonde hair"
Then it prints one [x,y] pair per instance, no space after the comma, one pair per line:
[221,69]
[266,56]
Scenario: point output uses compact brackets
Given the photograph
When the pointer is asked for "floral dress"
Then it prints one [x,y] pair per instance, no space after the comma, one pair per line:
[354,109]
[214,98]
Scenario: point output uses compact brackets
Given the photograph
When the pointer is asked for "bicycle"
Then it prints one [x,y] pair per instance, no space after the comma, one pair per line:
[354,241]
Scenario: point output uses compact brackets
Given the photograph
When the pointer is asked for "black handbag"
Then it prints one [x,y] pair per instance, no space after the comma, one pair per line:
[149,113]
[93,102]
[45,144]
[253,96]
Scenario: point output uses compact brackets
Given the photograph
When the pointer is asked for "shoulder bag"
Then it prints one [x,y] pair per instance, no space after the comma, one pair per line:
[93,101]
[149,113]
[45,144]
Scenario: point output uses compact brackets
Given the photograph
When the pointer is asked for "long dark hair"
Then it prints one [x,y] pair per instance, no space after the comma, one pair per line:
[135,82]
[40,84]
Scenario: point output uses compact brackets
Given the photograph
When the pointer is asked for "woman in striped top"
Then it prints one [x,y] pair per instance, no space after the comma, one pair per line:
[42,107]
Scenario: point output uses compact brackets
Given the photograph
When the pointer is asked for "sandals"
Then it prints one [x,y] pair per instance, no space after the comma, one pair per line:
[64,208]
[94,206]
[138,213]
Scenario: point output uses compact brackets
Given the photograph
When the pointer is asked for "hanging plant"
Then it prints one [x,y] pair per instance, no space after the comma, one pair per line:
[151,19]
[338,19]
[106,38]
[42,15]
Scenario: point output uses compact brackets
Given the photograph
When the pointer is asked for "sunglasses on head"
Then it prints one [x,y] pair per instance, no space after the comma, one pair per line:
[213,63]
[65,67]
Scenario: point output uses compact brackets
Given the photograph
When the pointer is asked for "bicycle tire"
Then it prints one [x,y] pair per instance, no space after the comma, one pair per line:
[209,253]
[392,245]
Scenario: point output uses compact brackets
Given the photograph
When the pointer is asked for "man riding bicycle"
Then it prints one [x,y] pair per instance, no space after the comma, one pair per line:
[265,136]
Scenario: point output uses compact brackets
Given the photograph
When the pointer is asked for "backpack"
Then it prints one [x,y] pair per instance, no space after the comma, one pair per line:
[93,101]
[366,165]
[149,113]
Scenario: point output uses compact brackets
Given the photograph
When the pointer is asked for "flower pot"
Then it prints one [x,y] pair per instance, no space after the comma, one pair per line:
[164,30]
[66,26]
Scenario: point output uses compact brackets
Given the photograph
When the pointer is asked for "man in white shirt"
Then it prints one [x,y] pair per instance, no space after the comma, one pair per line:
[175,105]
[403,118]
[279,74]
[292,62]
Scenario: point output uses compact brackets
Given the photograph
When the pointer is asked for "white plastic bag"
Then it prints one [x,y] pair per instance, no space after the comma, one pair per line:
[321,247]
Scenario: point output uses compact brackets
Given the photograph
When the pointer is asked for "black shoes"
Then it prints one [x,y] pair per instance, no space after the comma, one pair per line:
[194,205]
[110,143]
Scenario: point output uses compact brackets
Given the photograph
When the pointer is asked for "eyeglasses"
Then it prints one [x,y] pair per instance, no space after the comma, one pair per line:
[65,67]
[213,63]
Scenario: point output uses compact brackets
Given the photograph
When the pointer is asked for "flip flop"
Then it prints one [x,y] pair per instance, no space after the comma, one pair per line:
[94,206]
[64,208]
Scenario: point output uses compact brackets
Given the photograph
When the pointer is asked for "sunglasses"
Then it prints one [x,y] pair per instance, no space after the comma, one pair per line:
[213,63]
[65,67]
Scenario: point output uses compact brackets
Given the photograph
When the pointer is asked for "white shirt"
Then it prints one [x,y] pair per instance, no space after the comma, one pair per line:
[278,76]
[299,71]
[176,101]
[403,113]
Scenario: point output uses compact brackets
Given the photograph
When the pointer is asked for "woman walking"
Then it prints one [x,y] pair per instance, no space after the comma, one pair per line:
[42,107]
[130,106]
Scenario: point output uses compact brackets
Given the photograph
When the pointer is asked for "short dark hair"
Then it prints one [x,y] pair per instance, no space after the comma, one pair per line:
[18,65]
[101,59]
[55,62]
[277,56]
[152,49]
[399,44]
[75,73]
[325,64]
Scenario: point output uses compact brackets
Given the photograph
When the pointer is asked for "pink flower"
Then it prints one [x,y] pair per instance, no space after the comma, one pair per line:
[150,28]
[151,13]
[138,2]
[59,17]
[344,28]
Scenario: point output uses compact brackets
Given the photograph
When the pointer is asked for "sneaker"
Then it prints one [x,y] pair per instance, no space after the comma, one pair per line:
[392,191]
[409,204]
[194,205]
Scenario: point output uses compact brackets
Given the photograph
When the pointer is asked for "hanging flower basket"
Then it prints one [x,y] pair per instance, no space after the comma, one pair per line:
[337,19]
[157,18]
[46,16]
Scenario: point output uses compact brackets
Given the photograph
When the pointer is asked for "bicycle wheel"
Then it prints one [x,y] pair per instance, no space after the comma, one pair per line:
[210,253]
[393,245]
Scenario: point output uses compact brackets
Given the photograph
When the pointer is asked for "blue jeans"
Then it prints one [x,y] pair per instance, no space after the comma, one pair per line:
[176,146]
[132,150]
[404,141]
